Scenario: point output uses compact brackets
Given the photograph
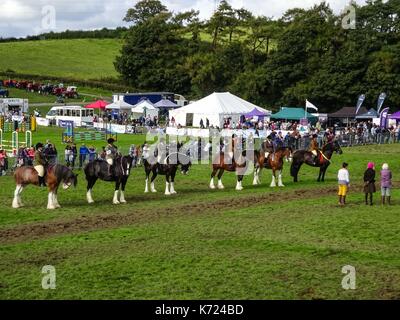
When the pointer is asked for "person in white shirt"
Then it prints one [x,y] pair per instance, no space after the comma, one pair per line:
[344,183]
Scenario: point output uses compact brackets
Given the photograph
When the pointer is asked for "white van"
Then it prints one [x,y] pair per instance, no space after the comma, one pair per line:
[80,116]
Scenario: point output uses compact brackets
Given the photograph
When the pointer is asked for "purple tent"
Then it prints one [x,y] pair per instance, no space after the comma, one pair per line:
[395,115]
[255,113]
[164,103]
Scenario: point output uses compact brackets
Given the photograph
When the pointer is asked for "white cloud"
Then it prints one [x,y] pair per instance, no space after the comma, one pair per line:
[23,17]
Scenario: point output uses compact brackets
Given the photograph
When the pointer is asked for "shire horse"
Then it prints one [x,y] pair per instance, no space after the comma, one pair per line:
[55,175]
[274,162]
[220,165]
[98,169]
[167,169]
[323,159]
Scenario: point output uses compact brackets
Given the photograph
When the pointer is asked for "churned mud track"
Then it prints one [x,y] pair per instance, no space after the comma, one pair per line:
[86,223]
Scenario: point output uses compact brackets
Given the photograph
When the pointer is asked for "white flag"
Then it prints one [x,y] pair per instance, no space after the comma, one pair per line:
[309,105]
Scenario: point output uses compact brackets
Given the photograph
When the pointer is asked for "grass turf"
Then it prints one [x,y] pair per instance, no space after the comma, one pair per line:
[261,243]
[78,58]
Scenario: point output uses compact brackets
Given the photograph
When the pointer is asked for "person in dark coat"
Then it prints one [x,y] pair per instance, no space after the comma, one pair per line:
[369,183]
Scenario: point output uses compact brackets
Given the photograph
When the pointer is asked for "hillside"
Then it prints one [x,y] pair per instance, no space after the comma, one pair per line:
[78,58]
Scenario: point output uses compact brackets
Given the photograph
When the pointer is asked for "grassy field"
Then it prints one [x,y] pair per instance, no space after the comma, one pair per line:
[79,58]
[260,243]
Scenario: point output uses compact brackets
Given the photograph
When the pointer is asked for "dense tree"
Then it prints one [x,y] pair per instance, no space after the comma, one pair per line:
[144,10]
[306,54]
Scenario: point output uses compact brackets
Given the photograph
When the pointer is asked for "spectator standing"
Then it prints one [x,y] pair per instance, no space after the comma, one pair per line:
[344,183]
[369,183]
[386,184]
[92,153]
[83,153]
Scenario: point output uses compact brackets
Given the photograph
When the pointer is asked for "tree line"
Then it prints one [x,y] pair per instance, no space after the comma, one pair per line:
[103,33]
[306,54]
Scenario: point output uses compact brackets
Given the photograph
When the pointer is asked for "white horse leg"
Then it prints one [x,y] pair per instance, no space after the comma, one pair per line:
[55,200]
[255,180]
[122,197]
[50,201]
[167,192]
[146,189]
[172,189]
[280,183]
[239,186]
[19,197]
[115,199]
[16,201]
[220,185]
[152,188]
[89,196]
[258,175]
[273,183]
[212,186]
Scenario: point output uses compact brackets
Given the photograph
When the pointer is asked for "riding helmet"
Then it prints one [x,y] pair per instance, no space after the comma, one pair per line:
[39,145]
[110,141]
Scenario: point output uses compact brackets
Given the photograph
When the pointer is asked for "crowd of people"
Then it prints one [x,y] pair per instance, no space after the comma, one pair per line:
[369,186]
[124,118]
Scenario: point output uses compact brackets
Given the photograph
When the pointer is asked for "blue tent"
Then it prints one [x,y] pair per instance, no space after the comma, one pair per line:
[371,114]
[165,103]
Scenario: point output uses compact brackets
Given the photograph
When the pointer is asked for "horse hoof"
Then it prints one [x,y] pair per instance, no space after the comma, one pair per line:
[167,194]
[116,202]
[91,202]
[51,208]
[154,191]
[123,202]
[146,191]
[173,192]
[212,187]
[221,187]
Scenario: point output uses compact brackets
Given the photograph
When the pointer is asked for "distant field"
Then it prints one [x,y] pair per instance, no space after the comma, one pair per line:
[79,58]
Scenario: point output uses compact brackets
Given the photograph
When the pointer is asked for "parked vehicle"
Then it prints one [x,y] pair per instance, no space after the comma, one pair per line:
[71,113]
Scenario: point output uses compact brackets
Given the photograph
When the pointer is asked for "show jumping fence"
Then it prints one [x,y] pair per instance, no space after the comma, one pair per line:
[12,146]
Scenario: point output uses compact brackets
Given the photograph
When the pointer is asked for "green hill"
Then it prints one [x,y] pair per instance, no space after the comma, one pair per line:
[78,58]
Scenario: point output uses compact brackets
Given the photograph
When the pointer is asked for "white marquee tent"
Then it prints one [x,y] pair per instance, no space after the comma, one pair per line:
[215,107]
[145,108]
[119,105]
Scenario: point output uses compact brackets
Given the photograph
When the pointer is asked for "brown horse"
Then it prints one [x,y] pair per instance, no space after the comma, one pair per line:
[56,175]
[274,162]
[221,164]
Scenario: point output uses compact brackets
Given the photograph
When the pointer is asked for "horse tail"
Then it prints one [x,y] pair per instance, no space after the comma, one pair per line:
[295,166]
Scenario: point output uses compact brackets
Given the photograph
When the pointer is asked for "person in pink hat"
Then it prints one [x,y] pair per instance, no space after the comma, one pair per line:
[369,183]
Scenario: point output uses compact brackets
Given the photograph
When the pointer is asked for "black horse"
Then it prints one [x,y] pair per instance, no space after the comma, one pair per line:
[322,161]
[98,169]
[167,169]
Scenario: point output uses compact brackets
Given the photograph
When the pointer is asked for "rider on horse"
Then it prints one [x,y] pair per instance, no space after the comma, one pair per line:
[272,143]
[314,148]
[40,164]
[111,154]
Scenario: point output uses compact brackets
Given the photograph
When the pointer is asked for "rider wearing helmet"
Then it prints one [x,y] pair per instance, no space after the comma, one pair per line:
[314,148]
[111,152]
[40,163]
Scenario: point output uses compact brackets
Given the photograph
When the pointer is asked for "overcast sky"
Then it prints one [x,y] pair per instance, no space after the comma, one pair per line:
[19,18]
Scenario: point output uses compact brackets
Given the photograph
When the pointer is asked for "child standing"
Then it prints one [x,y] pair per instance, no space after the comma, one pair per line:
[344,183]
[369,183]
[386,183]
